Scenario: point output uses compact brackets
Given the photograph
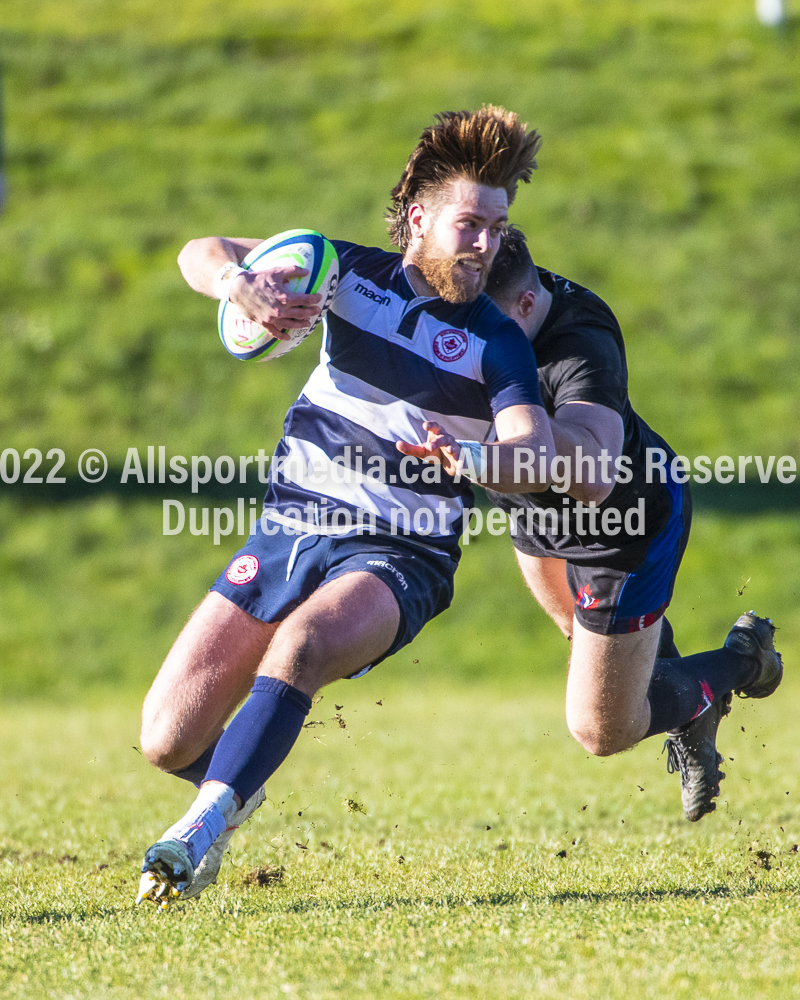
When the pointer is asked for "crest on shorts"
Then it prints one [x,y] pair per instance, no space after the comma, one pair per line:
[242,570]
[584,600]
[450,345]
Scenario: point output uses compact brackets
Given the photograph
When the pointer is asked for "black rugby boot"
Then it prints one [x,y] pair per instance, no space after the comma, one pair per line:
[692,751]
[752,636]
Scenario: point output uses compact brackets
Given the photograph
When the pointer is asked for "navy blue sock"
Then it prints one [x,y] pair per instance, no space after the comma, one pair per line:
[666,641]
[683,688]
[260,736]
[196,771]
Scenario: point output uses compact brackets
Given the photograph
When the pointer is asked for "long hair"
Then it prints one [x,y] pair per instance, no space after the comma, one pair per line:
[490,147]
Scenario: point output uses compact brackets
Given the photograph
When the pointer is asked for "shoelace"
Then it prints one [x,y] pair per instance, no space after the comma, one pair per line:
[676,759]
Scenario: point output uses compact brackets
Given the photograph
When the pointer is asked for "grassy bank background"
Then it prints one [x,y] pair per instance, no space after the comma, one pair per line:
[118,591]
[667,183]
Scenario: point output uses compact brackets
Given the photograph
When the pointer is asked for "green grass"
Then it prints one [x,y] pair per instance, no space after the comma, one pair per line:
[667,183]
[450,884]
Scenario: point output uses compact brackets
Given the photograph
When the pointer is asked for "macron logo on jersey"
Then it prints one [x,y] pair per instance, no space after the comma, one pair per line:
[382,300]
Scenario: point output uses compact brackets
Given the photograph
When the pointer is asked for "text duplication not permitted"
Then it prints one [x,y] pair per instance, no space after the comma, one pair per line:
[584,520]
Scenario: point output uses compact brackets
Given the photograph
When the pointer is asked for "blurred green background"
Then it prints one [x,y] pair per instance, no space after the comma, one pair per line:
[668,183]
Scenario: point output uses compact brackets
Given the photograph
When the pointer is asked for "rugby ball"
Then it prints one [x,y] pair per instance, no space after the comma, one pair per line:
[249,341]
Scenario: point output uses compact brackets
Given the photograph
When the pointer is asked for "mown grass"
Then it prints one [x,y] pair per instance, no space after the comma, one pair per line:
[482,854]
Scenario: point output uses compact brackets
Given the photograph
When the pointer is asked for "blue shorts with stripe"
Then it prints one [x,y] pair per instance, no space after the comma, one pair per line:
[613,601]
[279,568]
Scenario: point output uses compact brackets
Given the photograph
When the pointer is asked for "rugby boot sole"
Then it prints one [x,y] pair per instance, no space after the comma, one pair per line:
[167,870]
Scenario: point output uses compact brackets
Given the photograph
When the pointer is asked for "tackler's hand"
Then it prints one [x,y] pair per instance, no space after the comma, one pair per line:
[439,447]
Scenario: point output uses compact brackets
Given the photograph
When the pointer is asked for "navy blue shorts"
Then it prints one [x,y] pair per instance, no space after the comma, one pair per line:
[275,573]
[612,601]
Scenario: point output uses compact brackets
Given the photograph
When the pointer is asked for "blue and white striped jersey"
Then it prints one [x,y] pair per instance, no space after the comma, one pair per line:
[391,360]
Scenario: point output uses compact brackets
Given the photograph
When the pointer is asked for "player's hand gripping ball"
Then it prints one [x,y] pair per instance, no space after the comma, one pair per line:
[249,341]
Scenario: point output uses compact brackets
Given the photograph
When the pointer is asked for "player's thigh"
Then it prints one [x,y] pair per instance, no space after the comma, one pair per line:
[346,625]
[547,581]
[208,671]
[609,675]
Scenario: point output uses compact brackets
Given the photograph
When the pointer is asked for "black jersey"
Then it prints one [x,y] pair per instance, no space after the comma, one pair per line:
[581,358]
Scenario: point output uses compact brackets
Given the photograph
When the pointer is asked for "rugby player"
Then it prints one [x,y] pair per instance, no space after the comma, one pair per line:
[606,575]
[312,597]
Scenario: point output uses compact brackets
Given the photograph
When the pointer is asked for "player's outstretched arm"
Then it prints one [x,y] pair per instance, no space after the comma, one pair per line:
[519,462]
[260,296]
[200,260]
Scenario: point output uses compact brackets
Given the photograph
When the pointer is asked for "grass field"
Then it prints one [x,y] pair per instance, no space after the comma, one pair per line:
[482,854]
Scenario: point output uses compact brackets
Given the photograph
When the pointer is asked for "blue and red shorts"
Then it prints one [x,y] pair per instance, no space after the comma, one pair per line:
[615,601]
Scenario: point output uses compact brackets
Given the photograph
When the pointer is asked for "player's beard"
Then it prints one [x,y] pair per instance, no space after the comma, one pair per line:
[444,275]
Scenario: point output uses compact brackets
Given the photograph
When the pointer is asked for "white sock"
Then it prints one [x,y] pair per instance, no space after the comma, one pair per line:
[219,795]
[206,819]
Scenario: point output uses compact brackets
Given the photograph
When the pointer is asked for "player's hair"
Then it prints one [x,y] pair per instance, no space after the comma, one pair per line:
[490,147]
[513,269]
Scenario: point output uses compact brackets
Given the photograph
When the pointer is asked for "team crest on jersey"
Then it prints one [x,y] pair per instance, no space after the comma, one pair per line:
[450,345]
[584,600]
[242,570]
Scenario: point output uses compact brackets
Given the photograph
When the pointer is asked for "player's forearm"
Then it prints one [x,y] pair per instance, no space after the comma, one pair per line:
[525,450]
[583,459]
[201,259]
[519,462]
[518,466]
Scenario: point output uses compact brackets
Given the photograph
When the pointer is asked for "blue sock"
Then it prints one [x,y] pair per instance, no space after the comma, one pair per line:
[260,736]
[196,771]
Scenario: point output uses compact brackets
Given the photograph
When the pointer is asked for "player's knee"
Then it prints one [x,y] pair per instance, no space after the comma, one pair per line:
[600,739]
[159,744]
[155,752]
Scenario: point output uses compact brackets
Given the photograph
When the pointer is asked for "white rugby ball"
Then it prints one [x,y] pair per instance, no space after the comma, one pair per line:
[249,341]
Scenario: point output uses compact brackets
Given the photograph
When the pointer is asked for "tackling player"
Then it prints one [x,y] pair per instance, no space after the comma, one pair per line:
[313,597]
[600,553]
